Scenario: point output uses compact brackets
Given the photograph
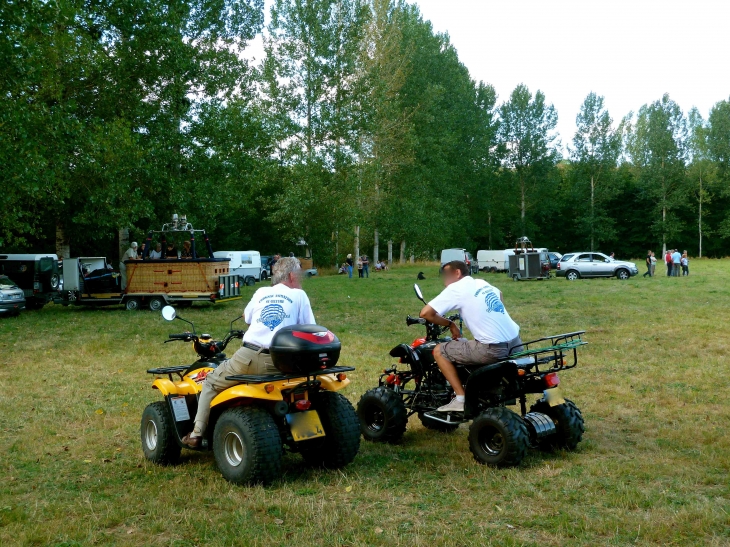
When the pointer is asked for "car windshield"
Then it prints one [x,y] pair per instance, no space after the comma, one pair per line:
[7,283]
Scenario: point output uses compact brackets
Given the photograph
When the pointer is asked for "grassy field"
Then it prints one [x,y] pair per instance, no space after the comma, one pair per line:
[652,470]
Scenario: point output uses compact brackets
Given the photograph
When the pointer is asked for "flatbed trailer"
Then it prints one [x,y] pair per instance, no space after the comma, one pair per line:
[90,281]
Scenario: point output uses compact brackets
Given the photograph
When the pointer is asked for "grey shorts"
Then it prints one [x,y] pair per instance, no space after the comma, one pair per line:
[473,352]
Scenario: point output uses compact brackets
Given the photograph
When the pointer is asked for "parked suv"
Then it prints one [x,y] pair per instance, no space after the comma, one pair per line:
[12,299]
[573,266]
[36,274]
[447,255]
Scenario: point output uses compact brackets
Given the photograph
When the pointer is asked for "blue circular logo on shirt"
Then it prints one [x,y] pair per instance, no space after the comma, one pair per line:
[494,304]
[272,316]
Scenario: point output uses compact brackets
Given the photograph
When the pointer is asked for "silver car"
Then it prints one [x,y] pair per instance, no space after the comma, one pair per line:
[12,299]
[573,266]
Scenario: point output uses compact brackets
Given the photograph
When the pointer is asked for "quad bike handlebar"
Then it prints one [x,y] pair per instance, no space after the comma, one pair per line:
[434,331]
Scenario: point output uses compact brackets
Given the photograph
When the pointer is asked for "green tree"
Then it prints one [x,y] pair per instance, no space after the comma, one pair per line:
[700,171]
[657,146]
[528,146]
[717,133]
[595,152]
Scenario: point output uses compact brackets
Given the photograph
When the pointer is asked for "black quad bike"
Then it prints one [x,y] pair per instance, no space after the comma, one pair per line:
[254,421]
[497,436]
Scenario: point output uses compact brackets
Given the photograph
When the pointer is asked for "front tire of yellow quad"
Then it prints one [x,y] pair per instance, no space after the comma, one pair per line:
[341,442]
[158,434]
[247,446]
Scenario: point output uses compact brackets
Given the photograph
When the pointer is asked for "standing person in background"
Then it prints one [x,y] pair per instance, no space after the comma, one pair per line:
[157,253]
[685,263]
[676,260]
[129,254]
[349,265]
[653,264]
[365,266]
[648,264]
[668,261]
[359,266]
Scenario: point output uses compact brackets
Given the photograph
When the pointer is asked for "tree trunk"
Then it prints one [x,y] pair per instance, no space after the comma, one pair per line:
[699,221]
[593,212]
[337,250]
[412,259]
[63,245]
[489,219]
[357,243]
[390,252]
[376,247]
[403,251]
[664,230]
[522,207]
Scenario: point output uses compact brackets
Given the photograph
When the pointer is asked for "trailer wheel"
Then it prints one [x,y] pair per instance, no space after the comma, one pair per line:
[516,277]
[132,304]
[157,303]
[250,281]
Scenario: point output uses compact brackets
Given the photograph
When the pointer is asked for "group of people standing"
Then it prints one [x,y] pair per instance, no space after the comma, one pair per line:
[363,266]
[674,261]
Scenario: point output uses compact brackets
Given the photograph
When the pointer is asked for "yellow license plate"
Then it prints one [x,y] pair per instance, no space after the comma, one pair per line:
[554,397]
[305,425]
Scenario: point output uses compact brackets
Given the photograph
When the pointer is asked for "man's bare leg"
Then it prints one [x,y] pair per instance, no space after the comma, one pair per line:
[449,371]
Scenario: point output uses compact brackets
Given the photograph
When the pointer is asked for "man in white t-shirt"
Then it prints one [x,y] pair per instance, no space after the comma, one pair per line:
[282,304]
[481,307]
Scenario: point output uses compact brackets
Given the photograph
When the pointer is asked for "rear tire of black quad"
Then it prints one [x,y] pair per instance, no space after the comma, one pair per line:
[157,432]
[341,442]
[569,424]
[435,425]
[498,437]
[247,446]
[383,416]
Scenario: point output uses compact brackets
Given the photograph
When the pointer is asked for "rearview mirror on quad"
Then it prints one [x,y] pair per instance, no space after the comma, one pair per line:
[168,313]
[419,294]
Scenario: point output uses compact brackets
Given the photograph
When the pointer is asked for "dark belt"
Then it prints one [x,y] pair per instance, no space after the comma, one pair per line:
[254,347]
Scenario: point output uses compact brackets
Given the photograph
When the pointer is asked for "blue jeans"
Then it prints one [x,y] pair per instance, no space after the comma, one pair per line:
[349,271]
[366,270]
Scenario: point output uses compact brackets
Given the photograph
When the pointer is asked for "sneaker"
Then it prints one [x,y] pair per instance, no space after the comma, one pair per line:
[453,406]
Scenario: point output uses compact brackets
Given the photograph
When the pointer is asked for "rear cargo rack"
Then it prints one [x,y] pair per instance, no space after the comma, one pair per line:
[169,371]
[263,378]
[554,353]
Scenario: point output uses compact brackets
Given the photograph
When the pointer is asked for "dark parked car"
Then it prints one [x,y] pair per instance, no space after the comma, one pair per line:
[12,299]
[265,267]
[36,274]
[554,259]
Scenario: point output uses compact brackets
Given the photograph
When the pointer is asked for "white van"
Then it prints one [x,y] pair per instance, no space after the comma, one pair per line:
[447,255]
[492,261]
[246,264]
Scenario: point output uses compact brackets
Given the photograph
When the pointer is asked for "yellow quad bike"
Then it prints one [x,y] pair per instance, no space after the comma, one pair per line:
[254,422]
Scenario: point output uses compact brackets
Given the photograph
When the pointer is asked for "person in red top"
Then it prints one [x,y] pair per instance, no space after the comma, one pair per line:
[668,260]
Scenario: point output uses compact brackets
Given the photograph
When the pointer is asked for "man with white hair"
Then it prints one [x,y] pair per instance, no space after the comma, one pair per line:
[282,304]
[129,254]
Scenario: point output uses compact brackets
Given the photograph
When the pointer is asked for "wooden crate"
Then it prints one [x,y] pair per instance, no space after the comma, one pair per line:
[175,276]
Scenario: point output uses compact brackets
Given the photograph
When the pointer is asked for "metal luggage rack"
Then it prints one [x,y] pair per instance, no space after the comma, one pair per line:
[169,371]
[262,378]
[556,353]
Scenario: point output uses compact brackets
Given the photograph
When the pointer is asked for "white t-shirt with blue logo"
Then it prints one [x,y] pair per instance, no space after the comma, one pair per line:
[481,308]
[272,308]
